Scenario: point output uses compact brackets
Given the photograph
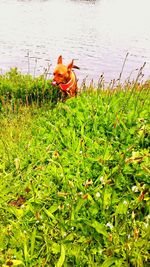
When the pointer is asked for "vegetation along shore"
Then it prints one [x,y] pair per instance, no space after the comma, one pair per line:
[74,175]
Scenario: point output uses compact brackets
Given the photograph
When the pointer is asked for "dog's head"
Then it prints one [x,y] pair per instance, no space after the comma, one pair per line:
[62,73]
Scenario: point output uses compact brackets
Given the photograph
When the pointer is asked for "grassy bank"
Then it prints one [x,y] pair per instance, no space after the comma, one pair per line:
[18,89]
[75,177]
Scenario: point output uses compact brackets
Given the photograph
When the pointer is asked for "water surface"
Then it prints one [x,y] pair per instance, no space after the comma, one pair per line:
[97,34]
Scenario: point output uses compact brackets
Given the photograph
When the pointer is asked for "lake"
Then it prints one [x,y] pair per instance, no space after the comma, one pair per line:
[97,34]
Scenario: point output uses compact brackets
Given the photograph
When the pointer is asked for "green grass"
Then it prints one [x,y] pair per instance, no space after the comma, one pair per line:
[74,178]
[23,89]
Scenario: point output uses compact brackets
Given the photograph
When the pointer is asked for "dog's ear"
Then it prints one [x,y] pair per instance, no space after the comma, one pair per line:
[59,61]
[75,67]
[70,66]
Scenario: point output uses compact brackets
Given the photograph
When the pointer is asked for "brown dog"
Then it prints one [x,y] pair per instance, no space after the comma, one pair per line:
[65,78]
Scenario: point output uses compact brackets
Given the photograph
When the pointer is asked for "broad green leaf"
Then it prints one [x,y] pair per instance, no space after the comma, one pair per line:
[79,205]
[25,251]
[70,237]
[99,227]
[62,257]
[17,212]
[122,208]
[53,208]
[55,248]
[108,262]
[91,199]
[33,241]
[107,198]
[49,214]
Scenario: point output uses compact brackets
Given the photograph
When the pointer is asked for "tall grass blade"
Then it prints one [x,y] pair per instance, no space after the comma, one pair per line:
[62,257]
